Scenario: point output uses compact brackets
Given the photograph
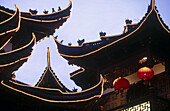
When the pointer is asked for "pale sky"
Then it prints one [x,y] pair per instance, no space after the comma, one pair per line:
[88,18]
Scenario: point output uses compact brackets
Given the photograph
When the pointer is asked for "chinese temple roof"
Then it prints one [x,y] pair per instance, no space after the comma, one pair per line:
[111,52]
[150,24]
[23,30]
[48,78]
[49,89]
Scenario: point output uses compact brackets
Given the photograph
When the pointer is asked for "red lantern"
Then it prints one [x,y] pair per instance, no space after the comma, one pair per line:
[145,73]
[121,83]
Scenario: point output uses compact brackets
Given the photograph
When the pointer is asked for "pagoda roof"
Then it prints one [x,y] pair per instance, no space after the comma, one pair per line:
[49,89]
[51,95]
[9,27]
[49,79]
[151,23]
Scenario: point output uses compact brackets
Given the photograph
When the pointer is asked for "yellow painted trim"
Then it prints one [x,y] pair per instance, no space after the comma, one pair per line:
[48,56]
[83,69]
[153,9]
[33,39]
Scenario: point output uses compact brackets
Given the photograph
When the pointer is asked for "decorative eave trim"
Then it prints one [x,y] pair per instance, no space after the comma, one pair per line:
[33,40]
[70,5]
[45,21]
[54,89]
[54,101]
[83,70]
[15,29]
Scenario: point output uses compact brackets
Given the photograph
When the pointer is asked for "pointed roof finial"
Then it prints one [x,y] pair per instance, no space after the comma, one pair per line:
[152,3]
[48,57]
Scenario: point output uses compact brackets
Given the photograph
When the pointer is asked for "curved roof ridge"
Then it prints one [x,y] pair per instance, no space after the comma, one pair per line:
[70,5]
[159,18]
[149,9]
[40,18]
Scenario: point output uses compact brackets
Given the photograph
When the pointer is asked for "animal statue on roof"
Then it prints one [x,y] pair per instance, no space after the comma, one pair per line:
[33,11]
[45,11]
[80,42]
[53,10]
